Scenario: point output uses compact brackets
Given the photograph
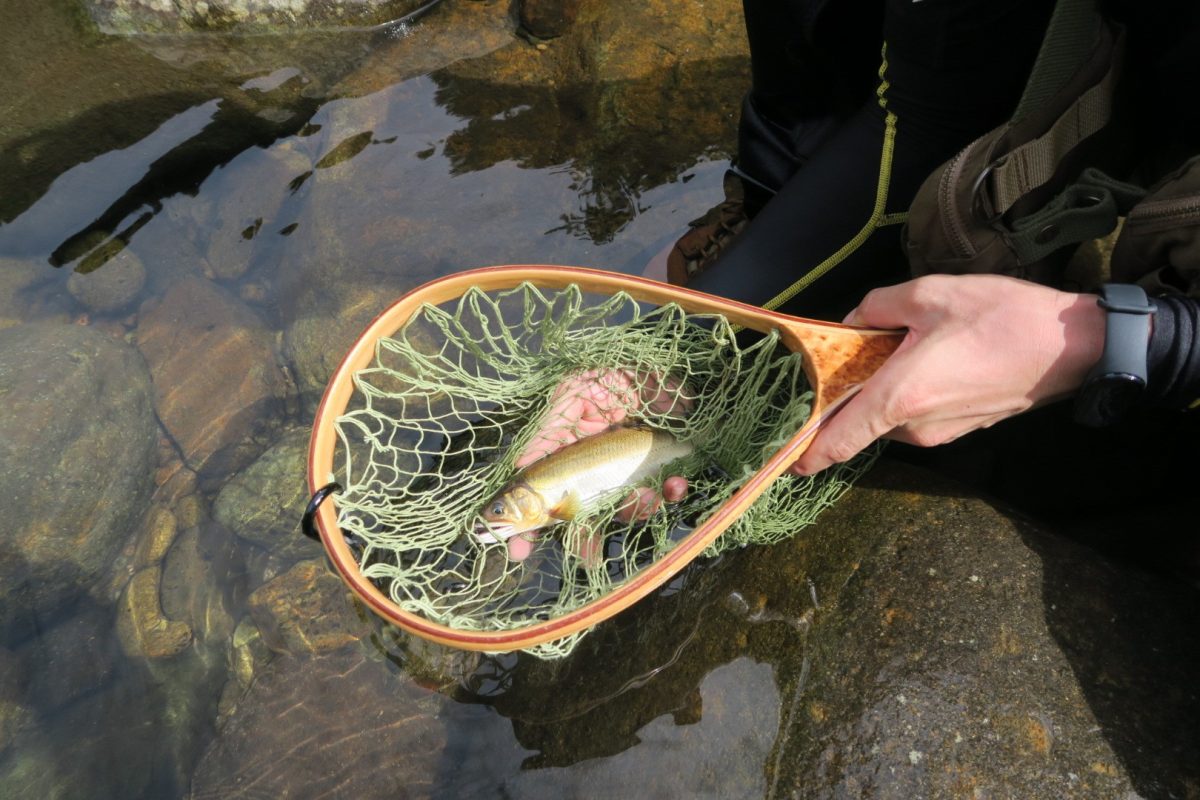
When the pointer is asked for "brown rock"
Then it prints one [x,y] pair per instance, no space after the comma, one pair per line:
[306,610]
[144,630]
[546,19]
[216,379]
[159,532]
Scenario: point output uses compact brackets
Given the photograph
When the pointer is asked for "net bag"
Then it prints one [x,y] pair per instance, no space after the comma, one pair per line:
[448,402]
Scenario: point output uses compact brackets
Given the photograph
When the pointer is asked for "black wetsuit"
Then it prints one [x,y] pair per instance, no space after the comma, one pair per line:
[839,131]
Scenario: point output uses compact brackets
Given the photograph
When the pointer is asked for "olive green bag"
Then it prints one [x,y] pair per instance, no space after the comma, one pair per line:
[1159,245]
[1017,199]
[1014,198]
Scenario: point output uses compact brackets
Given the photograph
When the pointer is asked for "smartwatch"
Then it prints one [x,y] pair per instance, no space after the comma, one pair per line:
[1117,381]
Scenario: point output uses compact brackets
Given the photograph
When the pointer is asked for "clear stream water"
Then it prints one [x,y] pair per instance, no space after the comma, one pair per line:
[267,165]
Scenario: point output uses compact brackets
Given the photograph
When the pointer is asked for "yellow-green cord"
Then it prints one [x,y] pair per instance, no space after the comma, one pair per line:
[879,217]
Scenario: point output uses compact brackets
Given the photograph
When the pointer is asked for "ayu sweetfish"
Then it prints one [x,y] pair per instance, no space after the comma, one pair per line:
[595,468]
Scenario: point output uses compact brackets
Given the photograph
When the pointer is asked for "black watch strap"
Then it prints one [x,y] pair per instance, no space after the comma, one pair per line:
[1117,381]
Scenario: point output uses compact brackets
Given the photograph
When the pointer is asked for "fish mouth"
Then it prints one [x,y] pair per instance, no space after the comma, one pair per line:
[495,532]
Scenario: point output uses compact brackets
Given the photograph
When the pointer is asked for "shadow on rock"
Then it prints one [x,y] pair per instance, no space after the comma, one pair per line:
[1130,639]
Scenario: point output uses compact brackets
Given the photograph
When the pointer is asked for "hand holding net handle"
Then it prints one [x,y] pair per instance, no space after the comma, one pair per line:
[837,360]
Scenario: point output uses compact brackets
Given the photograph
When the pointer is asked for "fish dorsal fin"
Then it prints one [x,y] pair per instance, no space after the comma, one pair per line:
[567,508]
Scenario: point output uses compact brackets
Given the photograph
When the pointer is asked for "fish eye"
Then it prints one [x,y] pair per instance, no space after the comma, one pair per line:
[497,508]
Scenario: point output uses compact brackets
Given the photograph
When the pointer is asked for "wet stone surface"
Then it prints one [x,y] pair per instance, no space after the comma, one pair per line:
[248,16]
[77,441]
[334,725]
[217,382]
[263,503]
[967,651]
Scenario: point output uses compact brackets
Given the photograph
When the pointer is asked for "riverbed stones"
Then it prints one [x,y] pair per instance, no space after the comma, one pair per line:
[77,440]
[263,503]
[217,382]
[545,19]
[307,610]
[112,286]
[339,724]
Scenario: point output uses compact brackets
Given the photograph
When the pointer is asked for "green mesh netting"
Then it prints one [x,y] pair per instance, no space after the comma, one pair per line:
[454,397]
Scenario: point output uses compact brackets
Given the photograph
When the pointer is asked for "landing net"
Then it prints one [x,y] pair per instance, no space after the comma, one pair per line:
[455,396]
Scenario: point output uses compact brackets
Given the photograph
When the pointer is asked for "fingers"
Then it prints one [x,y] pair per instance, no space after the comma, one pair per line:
[521,545]
[675,488]
[589,548]
[643,502]
[861,421]
[904,305]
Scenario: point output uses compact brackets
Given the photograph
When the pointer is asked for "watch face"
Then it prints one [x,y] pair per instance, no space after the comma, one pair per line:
[1106,398]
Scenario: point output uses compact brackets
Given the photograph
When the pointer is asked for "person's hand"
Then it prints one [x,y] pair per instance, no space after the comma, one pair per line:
[979,348]
[590,403]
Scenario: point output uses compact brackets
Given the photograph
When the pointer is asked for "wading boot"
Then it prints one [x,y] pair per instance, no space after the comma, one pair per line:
[709,234]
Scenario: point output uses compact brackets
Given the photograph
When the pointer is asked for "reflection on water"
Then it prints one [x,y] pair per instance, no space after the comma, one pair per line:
[192,229]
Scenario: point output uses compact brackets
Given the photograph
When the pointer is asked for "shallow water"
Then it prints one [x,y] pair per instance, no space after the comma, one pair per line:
[276,193]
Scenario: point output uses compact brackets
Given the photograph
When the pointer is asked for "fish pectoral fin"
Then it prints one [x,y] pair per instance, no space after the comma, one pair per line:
[568,508]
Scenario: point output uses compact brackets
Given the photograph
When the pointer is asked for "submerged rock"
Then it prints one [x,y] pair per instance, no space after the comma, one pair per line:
[217,382]
[112,286]
[336,725]
[325,326]
[29,291]
[249,206]
[307,610]
[78,442]
[263,504]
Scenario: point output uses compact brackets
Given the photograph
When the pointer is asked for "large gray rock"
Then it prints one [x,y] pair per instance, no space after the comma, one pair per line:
[958,650]
[77,444]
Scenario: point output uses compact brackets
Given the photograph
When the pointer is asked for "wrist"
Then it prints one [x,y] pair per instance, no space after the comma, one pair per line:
[1083,327]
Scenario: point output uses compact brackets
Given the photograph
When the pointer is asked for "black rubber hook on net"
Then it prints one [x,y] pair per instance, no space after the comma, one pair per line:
[308,521]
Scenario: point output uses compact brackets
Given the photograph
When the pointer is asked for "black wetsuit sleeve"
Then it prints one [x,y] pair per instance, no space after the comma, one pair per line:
[1173,358]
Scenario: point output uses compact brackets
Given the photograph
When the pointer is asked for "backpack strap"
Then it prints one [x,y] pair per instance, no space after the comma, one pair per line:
[1009,199]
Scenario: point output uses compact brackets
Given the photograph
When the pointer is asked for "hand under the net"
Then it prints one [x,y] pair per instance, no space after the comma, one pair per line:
[589,403]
